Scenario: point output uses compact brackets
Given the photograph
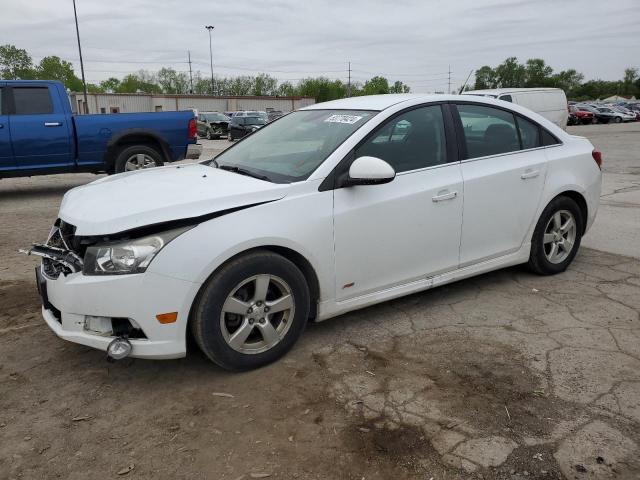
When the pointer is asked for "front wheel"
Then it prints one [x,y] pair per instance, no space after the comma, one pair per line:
[251,311]
[557,237]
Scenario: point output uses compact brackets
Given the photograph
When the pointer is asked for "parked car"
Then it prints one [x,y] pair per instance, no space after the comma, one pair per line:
[252,113]
[628,115]
[583,117]
[573,119]
[325,211]
[39,134]
[614,115]
[212,125]
[274,115]
[598,116]
[241,126]
[551,103]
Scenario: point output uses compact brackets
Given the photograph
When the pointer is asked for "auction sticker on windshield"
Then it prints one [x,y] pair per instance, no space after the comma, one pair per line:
[350,119]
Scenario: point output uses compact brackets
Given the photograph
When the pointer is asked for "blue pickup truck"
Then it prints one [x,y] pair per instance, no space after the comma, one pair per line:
[40,135]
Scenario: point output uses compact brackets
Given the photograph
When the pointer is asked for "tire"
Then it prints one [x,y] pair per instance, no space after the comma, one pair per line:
[541,259]
[235,287]
[617,120]
[124,159]
[209,135]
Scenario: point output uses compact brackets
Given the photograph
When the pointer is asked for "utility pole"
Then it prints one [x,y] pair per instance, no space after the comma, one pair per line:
[349,87]
[84,83]
[210,28]
[190,75]
[449,79]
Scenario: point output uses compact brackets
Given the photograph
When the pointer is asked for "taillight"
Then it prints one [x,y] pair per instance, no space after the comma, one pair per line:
[193,129]
[597,156]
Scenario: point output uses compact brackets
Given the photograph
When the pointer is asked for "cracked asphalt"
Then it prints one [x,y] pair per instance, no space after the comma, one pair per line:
[503,376]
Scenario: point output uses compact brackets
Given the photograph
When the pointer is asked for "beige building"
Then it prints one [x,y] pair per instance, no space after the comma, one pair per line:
[144,102]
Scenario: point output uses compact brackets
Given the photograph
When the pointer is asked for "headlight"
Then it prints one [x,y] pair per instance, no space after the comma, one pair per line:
[127,256]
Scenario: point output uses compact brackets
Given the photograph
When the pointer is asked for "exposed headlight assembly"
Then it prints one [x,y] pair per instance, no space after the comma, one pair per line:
[127,256]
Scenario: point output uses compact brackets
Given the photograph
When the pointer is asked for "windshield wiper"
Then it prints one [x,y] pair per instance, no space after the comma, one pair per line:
[243,171]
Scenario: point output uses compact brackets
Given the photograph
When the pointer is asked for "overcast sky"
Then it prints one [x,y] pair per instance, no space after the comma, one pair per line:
[411,40]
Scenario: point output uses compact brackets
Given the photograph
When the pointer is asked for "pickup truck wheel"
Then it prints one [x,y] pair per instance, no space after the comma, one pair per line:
[137,157]
[251,311]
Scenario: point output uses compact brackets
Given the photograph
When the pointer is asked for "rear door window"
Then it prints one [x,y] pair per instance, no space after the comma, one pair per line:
[488,131]
[506,98]
[32,100]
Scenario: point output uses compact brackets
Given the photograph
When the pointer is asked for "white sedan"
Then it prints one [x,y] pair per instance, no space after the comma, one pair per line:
[329,209]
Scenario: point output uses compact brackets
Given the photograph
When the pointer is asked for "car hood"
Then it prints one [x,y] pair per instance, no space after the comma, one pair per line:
[131,200]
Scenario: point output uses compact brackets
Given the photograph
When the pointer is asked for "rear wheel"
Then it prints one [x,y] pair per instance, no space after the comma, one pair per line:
[251,311]
[617,120]
[557,237]
[137,157]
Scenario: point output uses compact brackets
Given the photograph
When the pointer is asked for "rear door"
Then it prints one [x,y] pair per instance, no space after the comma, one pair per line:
[504,171]
[40,134]
[6,154]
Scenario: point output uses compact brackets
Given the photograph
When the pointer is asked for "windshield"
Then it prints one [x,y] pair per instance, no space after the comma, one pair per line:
[291,148]
[215,117]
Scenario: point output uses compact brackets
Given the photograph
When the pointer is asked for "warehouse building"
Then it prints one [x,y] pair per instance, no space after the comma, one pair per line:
[144,102]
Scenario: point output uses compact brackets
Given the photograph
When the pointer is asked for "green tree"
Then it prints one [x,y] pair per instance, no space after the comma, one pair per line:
[286,89]
[54,68]
[111,84]
[567,80]
[629,86]
[134,83]
[537,73]
[15,64]
[510,73]
[264,84]
[172,82]
[485,78]
[376,85]
[399,87]
[322,89]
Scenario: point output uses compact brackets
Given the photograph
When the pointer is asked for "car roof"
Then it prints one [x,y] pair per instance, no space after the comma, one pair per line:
[378,102]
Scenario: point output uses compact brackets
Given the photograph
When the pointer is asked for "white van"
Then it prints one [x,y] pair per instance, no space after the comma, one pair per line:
[551,103]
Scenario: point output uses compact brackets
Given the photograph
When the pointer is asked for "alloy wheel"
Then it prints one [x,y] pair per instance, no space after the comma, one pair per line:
[559,236]
[139,161]
[257,314]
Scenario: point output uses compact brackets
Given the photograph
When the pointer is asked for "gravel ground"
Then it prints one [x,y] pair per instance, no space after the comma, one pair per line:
[503,376]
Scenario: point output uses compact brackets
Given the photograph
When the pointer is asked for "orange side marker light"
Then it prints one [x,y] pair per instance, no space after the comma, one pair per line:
[170,317]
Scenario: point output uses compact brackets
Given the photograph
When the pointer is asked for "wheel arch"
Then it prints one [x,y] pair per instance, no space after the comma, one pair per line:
[131,137]
[582,204]
[299,260]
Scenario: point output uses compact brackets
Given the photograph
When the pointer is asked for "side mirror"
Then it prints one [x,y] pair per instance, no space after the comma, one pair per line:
[369,171]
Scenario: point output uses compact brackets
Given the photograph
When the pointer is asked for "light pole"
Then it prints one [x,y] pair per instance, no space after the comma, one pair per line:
[84,83]
[210,28]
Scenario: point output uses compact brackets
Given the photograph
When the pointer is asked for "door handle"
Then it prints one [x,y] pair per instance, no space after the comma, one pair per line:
[52,124]
[445,196]
[1,125]
[530,174]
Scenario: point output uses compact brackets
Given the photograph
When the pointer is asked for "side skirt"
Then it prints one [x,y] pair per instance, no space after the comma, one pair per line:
[331,308]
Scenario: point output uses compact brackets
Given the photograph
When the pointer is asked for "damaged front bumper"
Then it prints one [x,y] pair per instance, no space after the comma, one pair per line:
[94,310]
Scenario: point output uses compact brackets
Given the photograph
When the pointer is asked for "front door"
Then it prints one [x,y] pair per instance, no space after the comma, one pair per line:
[408,229]
[39,132]
[504,175]
[6,153]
